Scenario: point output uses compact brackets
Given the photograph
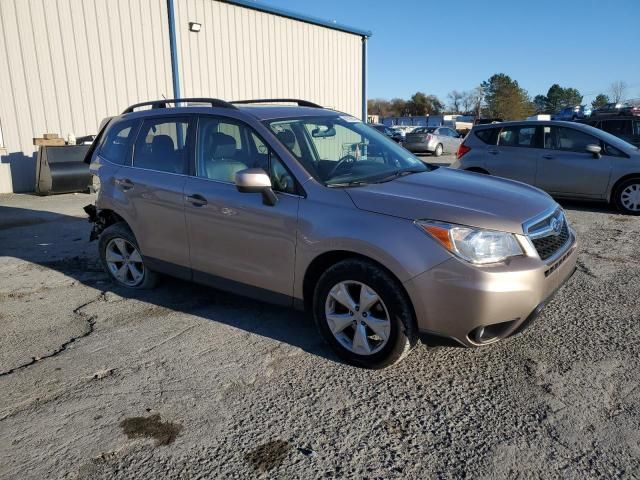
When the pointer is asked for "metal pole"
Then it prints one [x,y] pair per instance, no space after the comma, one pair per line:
[174,49]
[364,79]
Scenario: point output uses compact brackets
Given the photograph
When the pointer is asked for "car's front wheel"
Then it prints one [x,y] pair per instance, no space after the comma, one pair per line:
[627,196]
[363,313]
[122,260]
[438,151]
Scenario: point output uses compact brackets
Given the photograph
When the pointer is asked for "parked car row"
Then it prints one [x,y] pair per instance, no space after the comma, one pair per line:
[567,160]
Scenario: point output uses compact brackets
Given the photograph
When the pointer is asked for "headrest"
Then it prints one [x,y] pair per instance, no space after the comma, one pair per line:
[287,138]
[222,145]
[162,144]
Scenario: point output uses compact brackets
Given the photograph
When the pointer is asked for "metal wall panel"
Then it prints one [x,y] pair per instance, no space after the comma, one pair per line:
[241,53]
[67,64]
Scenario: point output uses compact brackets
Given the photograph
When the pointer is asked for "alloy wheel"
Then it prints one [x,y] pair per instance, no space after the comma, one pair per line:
[357,317]
[124,262]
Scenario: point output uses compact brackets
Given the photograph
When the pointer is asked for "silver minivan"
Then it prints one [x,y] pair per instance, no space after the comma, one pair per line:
[566,159]
[308,207]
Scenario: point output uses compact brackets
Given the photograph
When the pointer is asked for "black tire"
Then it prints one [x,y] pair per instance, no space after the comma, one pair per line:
[438,151]
[120,230]
[403,333]
[619,193]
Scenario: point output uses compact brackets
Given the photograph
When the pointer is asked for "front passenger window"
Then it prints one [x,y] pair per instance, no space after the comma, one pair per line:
[568,139]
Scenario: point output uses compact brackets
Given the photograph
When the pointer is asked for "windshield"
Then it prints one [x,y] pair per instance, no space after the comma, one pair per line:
[343,151]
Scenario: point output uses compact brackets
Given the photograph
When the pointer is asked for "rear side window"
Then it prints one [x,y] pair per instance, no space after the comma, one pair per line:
[116,147]
[488,135]
[518,137]
[162,145]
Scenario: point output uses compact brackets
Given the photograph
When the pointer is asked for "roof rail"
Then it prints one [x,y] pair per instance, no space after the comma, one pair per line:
[301,103]
[163,103]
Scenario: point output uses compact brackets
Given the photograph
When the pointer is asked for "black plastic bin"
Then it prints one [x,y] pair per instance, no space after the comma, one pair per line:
[62,170]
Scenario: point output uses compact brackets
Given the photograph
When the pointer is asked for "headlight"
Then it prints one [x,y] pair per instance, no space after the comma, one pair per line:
[474,245]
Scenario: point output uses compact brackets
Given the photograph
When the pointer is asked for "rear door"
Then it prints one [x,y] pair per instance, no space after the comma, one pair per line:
[566,168]
[516,153]
[237,243]
[152,191]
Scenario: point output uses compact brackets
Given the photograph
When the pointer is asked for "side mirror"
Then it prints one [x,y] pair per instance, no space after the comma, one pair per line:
[594,150]
[256,180]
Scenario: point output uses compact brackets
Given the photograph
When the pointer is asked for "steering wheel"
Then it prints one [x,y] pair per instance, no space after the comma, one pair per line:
[347,160]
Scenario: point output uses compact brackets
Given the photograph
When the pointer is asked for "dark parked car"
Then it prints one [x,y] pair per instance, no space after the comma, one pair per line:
[617,109]
[392,134]
[624,127]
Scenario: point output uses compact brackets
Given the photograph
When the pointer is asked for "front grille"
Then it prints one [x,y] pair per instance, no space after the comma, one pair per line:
[547,246]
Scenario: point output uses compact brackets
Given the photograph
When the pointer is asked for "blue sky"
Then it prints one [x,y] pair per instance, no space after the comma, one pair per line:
[439,46]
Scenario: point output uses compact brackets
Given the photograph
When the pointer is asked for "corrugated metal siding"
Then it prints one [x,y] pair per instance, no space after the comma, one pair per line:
[67,64]
[242,53]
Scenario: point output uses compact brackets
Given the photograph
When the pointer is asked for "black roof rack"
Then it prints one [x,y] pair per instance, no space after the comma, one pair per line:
[214,102]
[300,103]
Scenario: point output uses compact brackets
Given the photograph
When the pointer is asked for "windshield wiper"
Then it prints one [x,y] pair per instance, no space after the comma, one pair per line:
[353,183]
[400,173]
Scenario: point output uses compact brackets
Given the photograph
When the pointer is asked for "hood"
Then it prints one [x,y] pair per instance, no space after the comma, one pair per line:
[454,196]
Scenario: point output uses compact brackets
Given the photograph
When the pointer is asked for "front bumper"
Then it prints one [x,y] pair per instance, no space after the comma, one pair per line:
[480,305]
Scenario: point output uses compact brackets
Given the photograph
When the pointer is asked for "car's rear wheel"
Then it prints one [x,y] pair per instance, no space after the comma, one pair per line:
[364,315]
[627,196]
[438,151]
[122,260]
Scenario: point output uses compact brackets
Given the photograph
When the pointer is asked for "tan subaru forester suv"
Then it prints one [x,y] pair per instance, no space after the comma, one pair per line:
[292,203]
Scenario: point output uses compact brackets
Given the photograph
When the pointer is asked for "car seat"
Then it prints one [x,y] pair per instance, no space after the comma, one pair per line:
[221,164]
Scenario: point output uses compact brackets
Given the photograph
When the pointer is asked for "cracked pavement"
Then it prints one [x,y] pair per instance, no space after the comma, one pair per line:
[188,382]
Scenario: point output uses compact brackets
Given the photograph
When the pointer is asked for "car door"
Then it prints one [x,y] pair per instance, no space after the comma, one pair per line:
[516,153]
[566,168]
[151,191]
[237,243]
[454,140]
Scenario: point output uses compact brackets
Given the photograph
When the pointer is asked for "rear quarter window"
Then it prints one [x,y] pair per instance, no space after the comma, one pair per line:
[488,135]
[116,147]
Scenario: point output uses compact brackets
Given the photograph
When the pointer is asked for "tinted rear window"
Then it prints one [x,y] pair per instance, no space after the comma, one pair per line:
[488,135]
[117,144]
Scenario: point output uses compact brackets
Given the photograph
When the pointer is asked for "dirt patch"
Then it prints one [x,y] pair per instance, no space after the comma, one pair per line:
[164,433]
[269,455]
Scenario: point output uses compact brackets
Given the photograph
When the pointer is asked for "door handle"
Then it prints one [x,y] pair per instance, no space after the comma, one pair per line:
[548,156]
[493,152]
[196,200]
[124,183]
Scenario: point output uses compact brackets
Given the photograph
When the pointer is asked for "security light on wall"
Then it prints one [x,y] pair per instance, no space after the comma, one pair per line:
[194,26]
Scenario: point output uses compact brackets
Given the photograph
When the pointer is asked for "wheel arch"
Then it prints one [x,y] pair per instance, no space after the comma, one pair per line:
[325,260]
[616,185]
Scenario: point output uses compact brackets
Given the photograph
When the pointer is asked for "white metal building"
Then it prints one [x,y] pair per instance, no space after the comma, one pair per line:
[67,64]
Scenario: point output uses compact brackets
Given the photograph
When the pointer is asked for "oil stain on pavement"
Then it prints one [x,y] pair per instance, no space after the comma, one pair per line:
[268,455]
[164,433]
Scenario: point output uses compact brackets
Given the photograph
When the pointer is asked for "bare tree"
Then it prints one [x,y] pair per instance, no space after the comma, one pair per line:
[456,99]
[618,90]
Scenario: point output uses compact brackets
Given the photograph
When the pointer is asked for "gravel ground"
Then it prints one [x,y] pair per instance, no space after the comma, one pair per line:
[188,382]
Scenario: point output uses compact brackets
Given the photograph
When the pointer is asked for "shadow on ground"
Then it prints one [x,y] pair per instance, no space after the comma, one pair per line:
[279,323]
